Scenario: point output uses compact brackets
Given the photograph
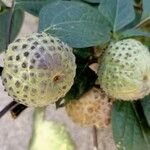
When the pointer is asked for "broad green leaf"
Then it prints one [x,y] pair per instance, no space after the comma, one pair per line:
[134,33]
[146,107]
[31,6]
[76,23]
[118,12]
[146,10]
[136,20]
[130,129]
[16,25]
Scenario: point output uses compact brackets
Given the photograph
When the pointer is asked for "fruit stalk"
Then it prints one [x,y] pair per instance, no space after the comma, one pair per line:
[39,115]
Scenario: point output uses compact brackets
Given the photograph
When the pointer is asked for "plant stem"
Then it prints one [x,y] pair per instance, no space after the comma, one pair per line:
[39,115]
[95,140]
[138,6]
[17,110]
[142,22]
[7,108]
[9,26]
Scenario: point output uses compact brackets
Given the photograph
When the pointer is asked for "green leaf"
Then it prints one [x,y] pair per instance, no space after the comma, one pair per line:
[146,10]
[136,20]
[16,25]
[118,12]
[130,129]
[31,6]
[134,33]
[76,23]
[146,107]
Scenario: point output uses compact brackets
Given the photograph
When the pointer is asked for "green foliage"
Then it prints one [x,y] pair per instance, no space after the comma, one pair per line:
[83,24]
[16,25]
[31,6]
[146,107]
[78,24]
[135,32]
[133,24]
[130,129]
[118,12]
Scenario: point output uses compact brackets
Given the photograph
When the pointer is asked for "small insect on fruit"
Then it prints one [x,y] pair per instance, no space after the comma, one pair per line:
[93,108]
[124,70]
[38,69]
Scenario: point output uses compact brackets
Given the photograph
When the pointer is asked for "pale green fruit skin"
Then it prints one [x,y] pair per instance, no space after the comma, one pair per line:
[38,69]
[51,136]
[124,70]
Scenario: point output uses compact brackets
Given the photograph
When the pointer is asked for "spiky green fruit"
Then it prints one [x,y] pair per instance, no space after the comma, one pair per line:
[124,70]
[92,109]
[38,69]
[48,135]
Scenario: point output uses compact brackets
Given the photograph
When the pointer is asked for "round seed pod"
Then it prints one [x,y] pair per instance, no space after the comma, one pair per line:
[93,108]
[124,70]
[38,69]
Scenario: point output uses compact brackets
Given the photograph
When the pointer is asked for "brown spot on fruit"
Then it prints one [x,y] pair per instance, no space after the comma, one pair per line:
[145,78]
[57,78]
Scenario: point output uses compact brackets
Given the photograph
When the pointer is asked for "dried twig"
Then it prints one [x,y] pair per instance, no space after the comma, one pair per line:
[142,22]
[7,108]
[17,110]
